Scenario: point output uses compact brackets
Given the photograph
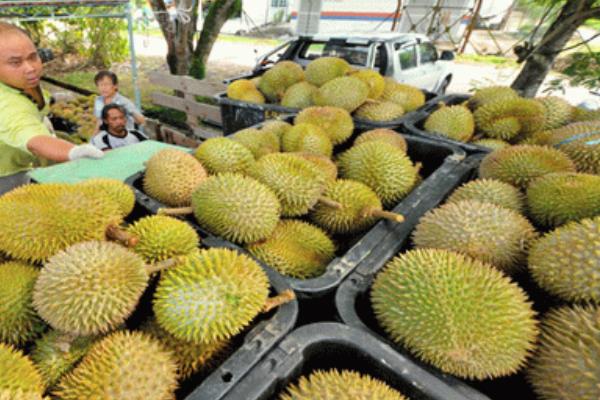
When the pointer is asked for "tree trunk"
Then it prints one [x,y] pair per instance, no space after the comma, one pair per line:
[540,61]
[218,14]
[178,35]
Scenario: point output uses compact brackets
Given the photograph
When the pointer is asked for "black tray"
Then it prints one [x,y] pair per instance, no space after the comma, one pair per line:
[354,308]
[331,345]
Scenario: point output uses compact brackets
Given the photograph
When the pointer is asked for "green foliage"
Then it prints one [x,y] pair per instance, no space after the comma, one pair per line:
[582,69]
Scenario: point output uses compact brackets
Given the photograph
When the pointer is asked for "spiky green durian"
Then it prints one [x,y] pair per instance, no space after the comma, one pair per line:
[245,90]
[19,322]
[335,121]
[381,166]
[557,112]
[210,296]
[324,164]
[490,191]
[259,142]
[307,138]
[191,358]
[358,201]
[281,76]
[236,207]
[344,92]
[380,111]
[374,81]
[455,122]
[323,69]
[295,249]
[37,221]
[490,94]
[409,97]
[566,365]
[581,114]
[122,366]
[90,287]
[297,183]
[161,237]
[336,385]
[221,154]
[6,394]
[17,372]
[171,176]
[519,165]
[384,135]
[506,119]
[555,199]
[56,354]
[456,313]
[581,142]
[566,261]
[484,231]
[276,127]
[299,95]
[493,144]
[115,190]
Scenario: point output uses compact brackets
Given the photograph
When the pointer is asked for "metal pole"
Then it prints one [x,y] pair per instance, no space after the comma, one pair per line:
[134,72]
[471,26]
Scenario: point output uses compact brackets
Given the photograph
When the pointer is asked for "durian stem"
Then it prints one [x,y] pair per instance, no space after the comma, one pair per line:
[162,265]
[64,341]
[175,211]
[330,203]
[379,213]
[282,298]
[418,166]
[114,232]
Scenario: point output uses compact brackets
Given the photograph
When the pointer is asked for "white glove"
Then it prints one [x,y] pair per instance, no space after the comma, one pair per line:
[85,151]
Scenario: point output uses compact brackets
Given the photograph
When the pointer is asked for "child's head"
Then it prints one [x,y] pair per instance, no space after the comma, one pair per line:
[107,83]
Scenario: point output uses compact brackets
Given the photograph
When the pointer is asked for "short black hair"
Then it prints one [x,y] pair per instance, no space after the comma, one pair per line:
[106,74]
[112,106]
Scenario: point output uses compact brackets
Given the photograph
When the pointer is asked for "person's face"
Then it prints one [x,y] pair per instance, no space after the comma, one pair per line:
[106,87]
[20,65]
[116,121]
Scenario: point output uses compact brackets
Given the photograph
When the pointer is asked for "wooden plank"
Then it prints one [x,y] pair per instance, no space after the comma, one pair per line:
[203,111]
[151,128]
[173,136]
[185,84]
[206,133]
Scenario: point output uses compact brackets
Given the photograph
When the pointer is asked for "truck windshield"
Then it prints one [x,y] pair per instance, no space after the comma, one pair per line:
[356,54]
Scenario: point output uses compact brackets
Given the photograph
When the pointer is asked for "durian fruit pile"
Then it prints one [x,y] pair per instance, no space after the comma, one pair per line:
[455,299]
[79,111]
[497,117]
[282,192]
[74,274]
[330,81]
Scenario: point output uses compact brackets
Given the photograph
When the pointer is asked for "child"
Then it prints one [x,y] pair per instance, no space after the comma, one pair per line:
[108,86]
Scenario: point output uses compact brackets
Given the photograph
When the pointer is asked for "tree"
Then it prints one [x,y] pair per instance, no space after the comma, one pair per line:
[183,55]
[539,57]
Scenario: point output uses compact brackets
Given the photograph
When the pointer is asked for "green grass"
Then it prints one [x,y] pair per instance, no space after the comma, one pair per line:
[488,59]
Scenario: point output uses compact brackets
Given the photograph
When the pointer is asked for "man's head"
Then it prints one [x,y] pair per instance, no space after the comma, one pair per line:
[115,118]
[107,83]
[20,64]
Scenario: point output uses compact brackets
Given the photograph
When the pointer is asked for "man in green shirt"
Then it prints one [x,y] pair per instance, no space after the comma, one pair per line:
[23,135]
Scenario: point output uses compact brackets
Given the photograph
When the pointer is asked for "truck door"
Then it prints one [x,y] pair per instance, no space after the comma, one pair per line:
[406,64]
[429,67]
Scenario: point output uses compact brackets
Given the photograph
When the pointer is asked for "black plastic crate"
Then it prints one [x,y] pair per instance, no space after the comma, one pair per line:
[414,123]
[237,115]
[248,347]
[331,345]
[354,307]
[438,159]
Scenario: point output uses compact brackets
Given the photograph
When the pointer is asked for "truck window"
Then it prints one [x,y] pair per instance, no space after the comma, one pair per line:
[312,51]
[353,53]
[408,57]
[428,53]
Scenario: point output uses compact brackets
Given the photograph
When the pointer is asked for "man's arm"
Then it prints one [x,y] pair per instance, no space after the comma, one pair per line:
[60,150]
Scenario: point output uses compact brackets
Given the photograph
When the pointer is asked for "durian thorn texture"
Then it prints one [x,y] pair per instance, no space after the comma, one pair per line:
[418,166]
[115,233]
[284,297]
[64,341]
[165,264]
[330,203]
[175,211]
[379,213]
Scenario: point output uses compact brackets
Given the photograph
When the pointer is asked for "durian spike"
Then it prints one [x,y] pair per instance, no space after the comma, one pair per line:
[379,213]
[418,166]
[284,297]
[330,203]
[162,265]
[64,341]
[175,211]
[114,232]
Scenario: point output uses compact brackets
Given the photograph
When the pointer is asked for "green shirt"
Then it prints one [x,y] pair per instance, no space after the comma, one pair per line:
[20,120]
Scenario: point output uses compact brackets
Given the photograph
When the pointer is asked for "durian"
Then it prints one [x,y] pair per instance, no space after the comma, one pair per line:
[259,142]
[558,112]
[336,122]
[454,122]
[221,154]
[380,111]
[324,164]
[245,90]
[307,138]
[345,92]
[17,372]
[323,69]
[490,191]
[113,189]
[507,119]
[281,76]
[581,142]
[409,97]
[493,144]
[374,81]
[384,135]
[491,94]
[299,95]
